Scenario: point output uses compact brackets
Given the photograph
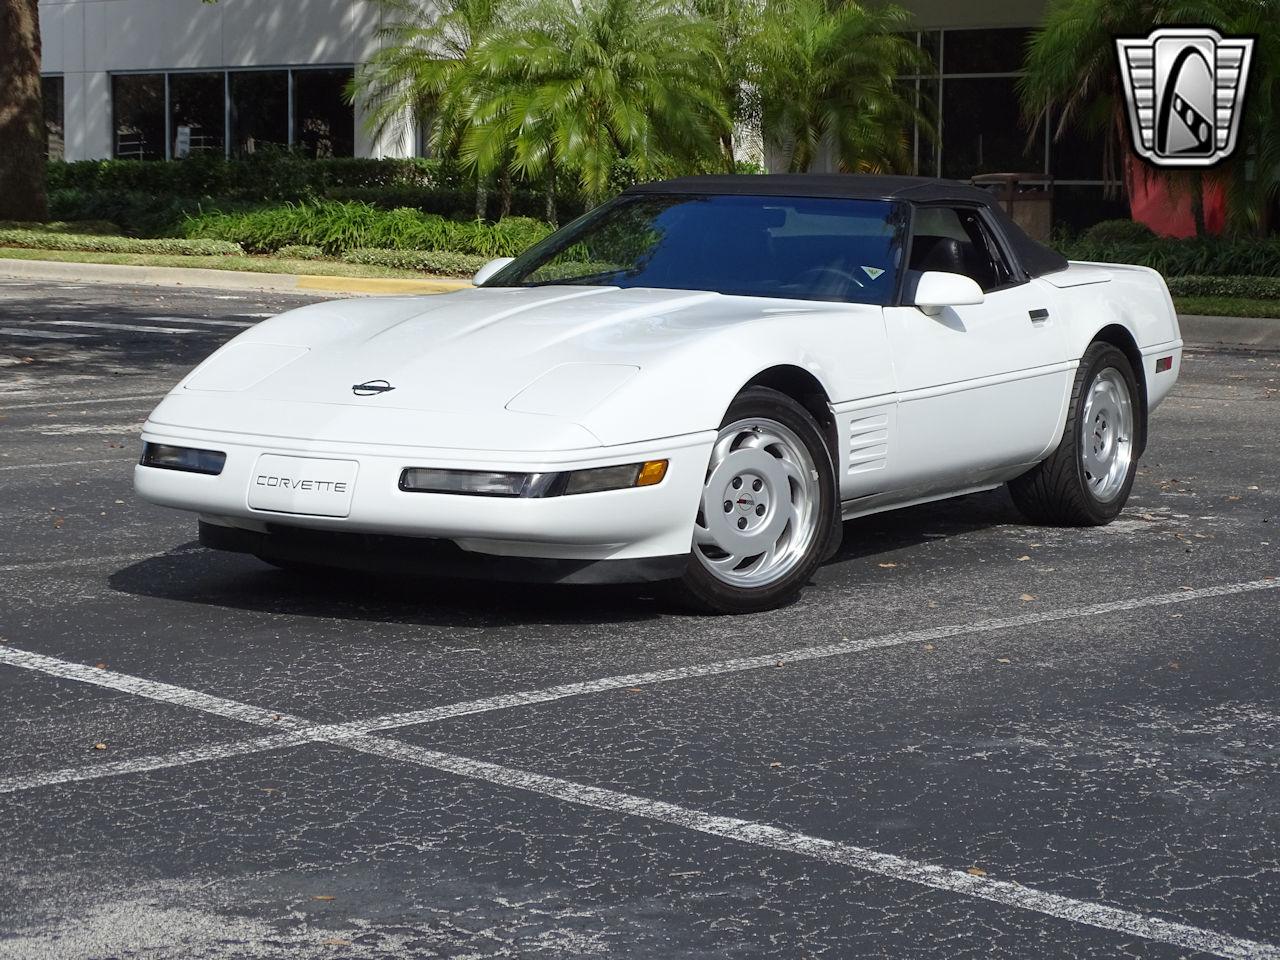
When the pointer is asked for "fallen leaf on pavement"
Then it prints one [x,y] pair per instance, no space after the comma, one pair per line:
[1023,557]
[887,566]
[1003,660]
[323,896]
[976,872]
[99,746]
[336,942]
[1027,598]
[930,646]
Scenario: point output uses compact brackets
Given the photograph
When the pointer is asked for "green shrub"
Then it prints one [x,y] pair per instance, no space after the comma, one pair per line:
[1118,231]
[93,243]
[338,227]
[1248,288]
[442,263]
[300,251]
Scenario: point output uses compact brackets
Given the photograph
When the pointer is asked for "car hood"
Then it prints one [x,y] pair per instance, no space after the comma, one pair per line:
[510,356]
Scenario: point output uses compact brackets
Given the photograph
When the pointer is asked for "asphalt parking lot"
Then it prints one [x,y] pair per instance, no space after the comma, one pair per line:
[970,738]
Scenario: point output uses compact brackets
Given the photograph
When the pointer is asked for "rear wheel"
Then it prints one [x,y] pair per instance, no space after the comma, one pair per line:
[766,510]
[1086,481]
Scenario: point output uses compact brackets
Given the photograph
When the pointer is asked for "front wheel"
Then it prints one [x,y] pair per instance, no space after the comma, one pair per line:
[767,506]
[1086,481]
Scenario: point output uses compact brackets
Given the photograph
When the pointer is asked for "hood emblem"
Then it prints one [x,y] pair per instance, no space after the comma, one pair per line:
[371,388]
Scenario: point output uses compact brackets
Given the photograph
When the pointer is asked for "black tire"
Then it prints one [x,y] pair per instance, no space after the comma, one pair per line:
[702,590]
[1056,491]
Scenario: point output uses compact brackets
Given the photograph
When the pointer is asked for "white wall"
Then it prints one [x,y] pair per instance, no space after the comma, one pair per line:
[86,40]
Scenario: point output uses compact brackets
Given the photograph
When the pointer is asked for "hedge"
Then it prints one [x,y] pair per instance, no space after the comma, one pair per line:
[1207,256]
[1249,288]
[209,182]
[338,227]
[102,227]
[440,262]
[93,243]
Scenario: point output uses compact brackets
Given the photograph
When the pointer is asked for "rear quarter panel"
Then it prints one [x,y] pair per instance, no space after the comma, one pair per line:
[1098,295]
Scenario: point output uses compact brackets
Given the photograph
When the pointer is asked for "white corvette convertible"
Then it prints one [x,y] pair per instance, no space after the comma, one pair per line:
[695,382]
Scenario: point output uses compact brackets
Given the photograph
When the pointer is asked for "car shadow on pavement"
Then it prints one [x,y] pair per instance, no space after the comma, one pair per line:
[928,523]
[190,574]
[239,582]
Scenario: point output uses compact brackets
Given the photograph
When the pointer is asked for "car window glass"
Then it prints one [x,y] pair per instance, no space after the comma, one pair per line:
[956,240]
[786,247]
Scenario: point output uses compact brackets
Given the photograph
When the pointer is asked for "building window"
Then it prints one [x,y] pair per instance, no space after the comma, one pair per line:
[985,51]
[162,116]
[138,109]
[259,110]
[982,129]
[52,90]
[324,124]
[198,114]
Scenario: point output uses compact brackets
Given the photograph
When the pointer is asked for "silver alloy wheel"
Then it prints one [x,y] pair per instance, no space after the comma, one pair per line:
[759,513]
[1106,434]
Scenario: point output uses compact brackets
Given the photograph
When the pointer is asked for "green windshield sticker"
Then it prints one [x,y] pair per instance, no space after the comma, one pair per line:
[872,272]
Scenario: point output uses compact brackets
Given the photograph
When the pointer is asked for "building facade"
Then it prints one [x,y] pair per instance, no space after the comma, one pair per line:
[164,79]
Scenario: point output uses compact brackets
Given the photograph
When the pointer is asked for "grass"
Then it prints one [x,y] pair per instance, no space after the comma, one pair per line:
[328,268]
[1227,307]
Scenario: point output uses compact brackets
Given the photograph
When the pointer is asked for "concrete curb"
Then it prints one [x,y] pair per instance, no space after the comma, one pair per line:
[1260,333]
[64,272]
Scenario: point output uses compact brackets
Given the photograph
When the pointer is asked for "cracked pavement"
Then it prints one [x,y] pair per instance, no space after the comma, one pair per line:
[1124,761]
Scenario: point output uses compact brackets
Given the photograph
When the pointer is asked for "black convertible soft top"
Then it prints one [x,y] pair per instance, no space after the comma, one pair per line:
[1034,258]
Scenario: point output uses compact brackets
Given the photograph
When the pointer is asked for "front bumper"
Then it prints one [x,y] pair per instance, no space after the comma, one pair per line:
[630,524]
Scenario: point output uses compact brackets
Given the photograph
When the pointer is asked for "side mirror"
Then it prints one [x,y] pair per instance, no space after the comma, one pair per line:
[489,269]
[936,290]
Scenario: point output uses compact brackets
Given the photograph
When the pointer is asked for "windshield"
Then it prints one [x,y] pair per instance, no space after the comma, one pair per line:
[791,247]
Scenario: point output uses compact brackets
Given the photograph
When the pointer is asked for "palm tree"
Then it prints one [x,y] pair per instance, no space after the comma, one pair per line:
[1071,73]
[1253,171]
[582,86]
[423,69]
[825,74]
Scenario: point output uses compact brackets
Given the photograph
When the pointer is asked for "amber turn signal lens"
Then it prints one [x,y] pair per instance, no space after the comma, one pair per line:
[651,472]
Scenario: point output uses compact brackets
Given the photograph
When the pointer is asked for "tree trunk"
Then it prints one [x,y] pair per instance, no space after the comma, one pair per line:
[22,131]
[551,196]
[482,195]
[1197,203]
[504,194]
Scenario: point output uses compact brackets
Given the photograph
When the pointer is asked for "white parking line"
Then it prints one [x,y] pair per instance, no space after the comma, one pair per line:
[130,327]
[179,758]
[148,397]
[1005,892]
[525,698]
[42,334]
[763,835]
[842,648]
[150,689]
[65,463]
[199,320]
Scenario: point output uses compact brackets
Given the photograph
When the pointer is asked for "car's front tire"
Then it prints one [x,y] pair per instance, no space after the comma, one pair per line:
[768,505]
[1087,479]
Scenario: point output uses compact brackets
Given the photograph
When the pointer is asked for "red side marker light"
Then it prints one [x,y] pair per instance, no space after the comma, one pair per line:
[1163,364]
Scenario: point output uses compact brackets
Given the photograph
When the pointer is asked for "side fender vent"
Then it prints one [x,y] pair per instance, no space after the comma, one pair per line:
[868,439]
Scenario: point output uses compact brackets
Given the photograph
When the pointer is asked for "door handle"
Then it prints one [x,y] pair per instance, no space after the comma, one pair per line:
[1039,315]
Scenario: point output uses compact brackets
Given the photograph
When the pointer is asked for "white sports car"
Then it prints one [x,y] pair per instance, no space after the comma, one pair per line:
[694,382]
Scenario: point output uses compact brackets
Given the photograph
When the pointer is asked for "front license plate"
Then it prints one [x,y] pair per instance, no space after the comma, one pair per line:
[317,488]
